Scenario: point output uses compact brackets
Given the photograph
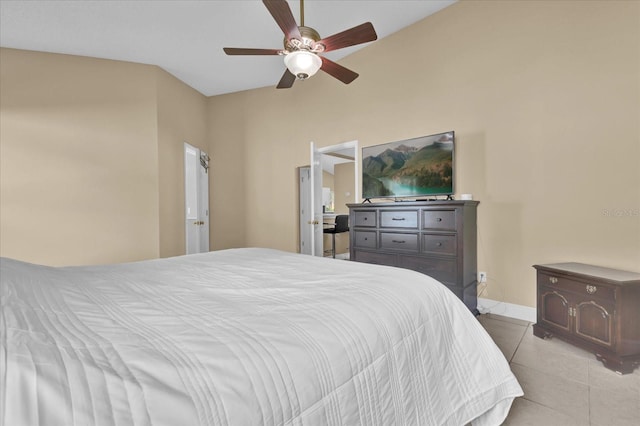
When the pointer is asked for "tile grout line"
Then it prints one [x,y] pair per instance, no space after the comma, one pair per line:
[519,343]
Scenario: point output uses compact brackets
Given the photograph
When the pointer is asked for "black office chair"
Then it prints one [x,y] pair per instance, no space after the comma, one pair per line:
[341,225]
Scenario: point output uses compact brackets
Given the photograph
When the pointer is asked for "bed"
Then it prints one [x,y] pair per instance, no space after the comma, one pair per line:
[243,337]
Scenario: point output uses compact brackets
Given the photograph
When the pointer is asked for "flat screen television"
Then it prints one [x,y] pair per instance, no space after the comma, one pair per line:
[418,167]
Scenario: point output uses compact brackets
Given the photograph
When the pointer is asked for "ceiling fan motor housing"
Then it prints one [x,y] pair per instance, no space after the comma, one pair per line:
[310,39]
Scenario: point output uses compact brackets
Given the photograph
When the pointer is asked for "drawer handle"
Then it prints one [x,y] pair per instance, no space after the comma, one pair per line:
[366,218]
[438,219]
[397,218]
[591,289]
[439,244]
[398,241]
[553,280]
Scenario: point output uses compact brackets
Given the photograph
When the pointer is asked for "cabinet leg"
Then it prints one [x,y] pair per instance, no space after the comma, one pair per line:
[617,365]
[541,332]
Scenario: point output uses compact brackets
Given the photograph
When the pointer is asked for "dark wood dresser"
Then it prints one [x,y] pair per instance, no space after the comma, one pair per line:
[595,308]
[437,238]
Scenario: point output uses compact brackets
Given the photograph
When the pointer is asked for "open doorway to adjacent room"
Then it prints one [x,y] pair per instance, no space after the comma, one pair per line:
[325,189]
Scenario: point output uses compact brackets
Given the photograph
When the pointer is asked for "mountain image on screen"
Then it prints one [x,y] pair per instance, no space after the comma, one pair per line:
[415,167]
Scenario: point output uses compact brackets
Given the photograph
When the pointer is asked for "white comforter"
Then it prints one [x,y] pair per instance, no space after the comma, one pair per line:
[243,337]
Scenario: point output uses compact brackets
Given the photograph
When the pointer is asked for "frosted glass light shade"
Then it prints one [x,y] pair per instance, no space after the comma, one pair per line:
[303,64]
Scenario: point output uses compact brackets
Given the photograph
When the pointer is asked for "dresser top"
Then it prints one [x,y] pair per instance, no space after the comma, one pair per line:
[616,276]
[416,203]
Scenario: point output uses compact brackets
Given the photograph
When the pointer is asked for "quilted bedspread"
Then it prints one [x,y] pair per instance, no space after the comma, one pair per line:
[243,337]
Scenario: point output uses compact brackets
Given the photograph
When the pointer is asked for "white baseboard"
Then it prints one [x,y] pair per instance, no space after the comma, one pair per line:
[525,313]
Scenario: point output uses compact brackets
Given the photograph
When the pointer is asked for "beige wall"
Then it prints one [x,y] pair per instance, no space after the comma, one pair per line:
[229,190]
[544,97]
[182,117]
[79,159]
[344,186]
[91,155]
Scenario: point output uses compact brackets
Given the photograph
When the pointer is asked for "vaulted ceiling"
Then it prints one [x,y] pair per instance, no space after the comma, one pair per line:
[186,38]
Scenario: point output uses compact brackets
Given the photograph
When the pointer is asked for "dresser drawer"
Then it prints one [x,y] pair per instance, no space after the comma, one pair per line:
[365,239]
[439,219]
[397,241]
[441,269]
[374,257]
[364,218]
[399,219]
[440,244]
[578,287]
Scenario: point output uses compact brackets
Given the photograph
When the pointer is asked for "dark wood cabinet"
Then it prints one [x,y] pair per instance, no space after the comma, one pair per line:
[436,238]
[592,307]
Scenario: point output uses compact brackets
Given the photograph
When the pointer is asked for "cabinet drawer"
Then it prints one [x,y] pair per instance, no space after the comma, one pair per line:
[365,239]
[441,244]
[399,219]
[443,270]
[594,290]
[364,218]
[439,219]
[396,241]
[375,258]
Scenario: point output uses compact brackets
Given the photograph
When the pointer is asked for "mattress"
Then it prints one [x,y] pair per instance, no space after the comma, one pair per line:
[243,337]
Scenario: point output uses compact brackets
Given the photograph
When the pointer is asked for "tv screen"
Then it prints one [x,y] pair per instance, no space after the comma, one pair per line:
[409,168]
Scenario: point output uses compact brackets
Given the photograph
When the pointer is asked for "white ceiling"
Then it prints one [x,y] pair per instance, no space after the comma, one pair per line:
[186,38]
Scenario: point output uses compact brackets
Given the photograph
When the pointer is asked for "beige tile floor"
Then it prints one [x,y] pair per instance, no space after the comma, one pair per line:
[563,385]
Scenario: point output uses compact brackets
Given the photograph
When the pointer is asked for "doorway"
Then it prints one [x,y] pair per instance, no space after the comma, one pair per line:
[318,205]
[196,190]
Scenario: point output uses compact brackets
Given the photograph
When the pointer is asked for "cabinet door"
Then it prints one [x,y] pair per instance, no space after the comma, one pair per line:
[555,310]
[594,321]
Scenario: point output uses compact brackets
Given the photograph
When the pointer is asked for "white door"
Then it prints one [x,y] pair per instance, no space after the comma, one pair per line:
[304,182]
[196,189]
[315,203]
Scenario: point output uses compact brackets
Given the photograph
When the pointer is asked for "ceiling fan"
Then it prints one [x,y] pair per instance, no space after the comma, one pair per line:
[302,46]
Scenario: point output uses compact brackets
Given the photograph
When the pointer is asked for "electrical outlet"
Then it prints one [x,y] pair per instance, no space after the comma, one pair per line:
[482,277]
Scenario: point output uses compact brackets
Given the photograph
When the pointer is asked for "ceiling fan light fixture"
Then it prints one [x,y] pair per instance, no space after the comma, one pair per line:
[303,64]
